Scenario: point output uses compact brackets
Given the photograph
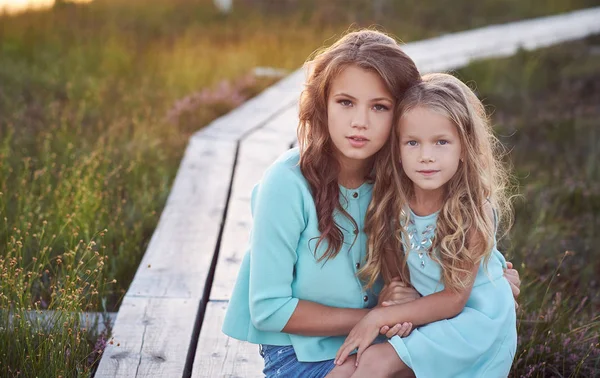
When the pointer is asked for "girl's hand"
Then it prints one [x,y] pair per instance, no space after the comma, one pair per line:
[396,292]
[361,337]
[401,330]
[512,276]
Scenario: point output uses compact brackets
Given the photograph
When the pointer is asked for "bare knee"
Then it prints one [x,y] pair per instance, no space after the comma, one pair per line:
[381,360]
[345,370]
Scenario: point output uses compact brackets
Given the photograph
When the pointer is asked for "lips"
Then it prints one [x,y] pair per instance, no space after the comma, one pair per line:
[428,172]
[357,141]
[358,138]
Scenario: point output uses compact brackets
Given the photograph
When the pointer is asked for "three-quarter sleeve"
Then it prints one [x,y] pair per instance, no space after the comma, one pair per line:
[278,222]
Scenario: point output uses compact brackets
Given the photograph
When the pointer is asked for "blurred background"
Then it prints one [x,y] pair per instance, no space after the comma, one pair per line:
[99,98]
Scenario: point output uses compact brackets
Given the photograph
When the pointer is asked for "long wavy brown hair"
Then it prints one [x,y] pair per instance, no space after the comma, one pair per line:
[369,50]
[465,230]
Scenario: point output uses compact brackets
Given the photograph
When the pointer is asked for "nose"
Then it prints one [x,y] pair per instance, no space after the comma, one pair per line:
[426,156]
[360,118]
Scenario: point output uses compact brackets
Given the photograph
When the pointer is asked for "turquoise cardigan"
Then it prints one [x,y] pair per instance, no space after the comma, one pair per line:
[280,266]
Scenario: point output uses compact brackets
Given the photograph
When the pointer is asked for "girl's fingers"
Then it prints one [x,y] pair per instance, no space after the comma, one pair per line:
[384,330]
[392,332]
[358,354]
[408,329]
[343,353]
[403,330]
[509,265]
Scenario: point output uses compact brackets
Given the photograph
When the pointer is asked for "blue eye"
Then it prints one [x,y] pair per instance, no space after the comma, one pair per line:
[345,102]
[443,142]
[412,143]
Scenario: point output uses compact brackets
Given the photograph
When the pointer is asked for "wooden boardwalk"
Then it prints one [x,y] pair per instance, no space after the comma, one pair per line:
[169,324]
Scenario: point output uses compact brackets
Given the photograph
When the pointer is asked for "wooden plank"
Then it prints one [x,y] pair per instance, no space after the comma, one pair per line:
[88,320]
[156,320]
[257,152]
[224,356]
[180,252]
[150,338]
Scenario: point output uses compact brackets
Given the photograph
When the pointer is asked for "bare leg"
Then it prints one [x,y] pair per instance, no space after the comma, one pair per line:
[345,370]
[381,360]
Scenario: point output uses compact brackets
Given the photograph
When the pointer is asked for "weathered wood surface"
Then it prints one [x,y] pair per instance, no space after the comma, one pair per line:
[220,356]
[151,338]
[157,325]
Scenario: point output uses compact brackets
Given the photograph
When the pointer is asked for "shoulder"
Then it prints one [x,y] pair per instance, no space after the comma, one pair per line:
[285,171]
[282,190]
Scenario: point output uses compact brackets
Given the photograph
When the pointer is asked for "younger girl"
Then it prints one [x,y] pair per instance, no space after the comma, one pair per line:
[446,167]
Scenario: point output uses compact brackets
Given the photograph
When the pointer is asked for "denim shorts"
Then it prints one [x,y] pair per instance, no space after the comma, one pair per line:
[281,361]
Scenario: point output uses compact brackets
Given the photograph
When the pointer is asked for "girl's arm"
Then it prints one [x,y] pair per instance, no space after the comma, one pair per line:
[431,308]
[444,304]
[314,319]
[279,219]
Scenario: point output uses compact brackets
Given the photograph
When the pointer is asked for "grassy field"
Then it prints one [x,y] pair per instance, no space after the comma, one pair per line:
[97,102]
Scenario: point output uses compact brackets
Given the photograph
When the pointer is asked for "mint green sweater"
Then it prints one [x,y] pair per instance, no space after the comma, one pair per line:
[280,266]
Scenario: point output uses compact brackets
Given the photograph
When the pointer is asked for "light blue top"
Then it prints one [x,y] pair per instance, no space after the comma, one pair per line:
[280,266]
[481,341]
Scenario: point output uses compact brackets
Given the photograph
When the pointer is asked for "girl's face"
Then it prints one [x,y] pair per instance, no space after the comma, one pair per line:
[359,114]
[430,148]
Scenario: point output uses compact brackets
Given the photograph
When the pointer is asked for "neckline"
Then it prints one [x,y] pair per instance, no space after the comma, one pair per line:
[364,188]
[423,217]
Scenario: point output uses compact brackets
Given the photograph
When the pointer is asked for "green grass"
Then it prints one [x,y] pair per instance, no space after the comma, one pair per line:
[94,119]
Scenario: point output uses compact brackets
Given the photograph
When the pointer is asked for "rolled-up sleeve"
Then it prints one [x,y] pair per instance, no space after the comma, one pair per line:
[279,220]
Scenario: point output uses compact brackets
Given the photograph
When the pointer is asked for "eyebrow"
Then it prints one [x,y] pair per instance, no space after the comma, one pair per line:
[439,136]
[342,94]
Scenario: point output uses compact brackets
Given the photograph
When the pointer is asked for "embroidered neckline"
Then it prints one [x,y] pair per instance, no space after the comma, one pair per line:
[420,242]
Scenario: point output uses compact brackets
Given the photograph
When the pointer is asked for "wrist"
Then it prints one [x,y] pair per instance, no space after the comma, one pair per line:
[376,316]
